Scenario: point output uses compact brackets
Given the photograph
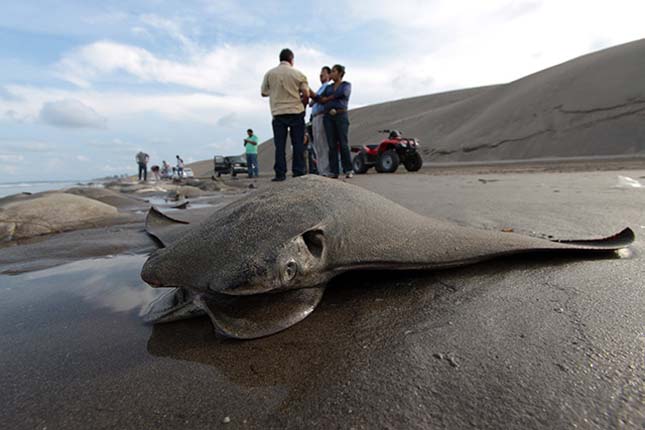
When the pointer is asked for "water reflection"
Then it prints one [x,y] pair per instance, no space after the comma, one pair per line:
[111,283]
[339,335]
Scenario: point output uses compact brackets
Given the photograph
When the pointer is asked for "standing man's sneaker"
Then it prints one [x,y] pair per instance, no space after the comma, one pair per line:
[278,179]
[349,175]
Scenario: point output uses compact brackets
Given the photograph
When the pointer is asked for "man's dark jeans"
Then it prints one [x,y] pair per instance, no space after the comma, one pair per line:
[337,131]
[143,171]
[295,125]
[252,165]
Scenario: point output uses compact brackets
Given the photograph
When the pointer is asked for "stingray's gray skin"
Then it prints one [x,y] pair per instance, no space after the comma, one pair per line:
[260,264]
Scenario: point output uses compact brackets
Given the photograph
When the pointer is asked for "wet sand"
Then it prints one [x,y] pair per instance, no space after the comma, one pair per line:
[513,343]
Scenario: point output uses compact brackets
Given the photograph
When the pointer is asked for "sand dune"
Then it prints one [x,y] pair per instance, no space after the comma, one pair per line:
[593,105]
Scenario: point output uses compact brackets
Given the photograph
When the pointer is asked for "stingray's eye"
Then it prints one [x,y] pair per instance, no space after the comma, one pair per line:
[290,270]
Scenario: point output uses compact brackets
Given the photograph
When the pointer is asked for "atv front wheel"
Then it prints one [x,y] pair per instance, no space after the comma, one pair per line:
[413,162]
[388,162]
[360,164]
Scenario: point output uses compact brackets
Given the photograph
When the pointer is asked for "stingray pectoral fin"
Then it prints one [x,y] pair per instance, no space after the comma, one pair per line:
[617,241]
[172,305]
[156,218]
[259,315]
[163,228]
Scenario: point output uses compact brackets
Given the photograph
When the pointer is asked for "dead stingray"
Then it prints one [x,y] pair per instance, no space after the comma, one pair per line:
[260,264]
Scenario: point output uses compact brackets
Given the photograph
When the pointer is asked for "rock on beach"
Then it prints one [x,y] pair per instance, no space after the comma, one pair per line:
[50,213]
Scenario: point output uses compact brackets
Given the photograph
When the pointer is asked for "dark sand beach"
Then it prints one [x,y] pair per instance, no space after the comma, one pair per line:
[512,343]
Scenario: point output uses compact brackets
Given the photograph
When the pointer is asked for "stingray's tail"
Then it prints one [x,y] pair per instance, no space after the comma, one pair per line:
[614,242]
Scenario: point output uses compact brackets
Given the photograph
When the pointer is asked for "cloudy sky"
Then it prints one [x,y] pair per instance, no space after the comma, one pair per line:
[84,85]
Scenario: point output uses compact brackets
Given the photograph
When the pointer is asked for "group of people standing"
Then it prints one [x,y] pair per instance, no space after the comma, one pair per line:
[289,94]
[159,173]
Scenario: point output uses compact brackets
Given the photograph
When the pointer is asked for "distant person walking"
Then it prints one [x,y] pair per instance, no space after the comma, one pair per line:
[180,167]
[336,121]
[288,94]
[142,160]
[251,146]
[320,146]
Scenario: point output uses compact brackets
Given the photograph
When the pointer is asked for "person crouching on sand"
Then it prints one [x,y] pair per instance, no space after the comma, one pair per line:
[155,173]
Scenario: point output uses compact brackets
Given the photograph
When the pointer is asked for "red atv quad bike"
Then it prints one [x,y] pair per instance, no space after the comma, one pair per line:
[387,155]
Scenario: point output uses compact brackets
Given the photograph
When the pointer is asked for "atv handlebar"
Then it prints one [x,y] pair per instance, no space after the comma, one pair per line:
[392,134]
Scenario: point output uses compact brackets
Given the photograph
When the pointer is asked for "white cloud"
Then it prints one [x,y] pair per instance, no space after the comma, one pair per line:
[8,169]
[70,113]
[141,31]
[195,106]
[172,28]
[114,144]
[24,145]
[223,69]
[55,163]
[234,13]
[11,158]
[226,79]
[14,116]
[225,145]
[6,94]
[438,46]
[110,168]
[82,158]
[231,120]
[471,43]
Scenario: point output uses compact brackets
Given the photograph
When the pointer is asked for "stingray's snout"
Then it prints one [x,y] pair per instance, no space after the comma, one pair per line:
[149,272]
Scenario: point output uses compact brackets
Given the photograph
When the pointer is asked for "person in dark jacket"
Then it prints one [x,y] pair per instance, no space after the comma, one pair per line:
[336,121]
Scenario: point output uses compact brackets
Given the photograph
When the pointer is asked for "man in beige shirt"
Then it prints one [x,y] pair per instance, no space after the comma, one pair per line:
[288,94]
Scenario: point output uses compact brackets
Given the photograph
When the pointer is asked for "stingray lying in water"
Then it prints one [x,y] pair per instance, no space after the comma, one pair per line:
[260,264]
